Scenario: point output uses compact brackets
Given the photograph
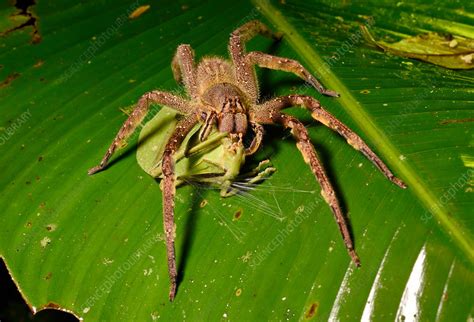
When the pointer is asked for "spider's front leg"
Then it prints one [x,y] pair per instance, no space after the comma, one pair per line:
[137,116]
[327,191]
[169,189]
[288,65]
[244,71]
[184,70]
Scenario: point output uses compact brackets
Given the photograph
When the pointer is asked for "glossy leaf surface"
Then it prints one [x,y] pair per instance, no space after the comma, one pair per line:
[92,245]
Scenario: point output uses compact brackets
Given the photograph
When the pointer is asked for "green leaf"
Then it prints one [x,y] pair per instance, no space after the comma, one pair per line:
[93,245]
[191,154]
[10,18]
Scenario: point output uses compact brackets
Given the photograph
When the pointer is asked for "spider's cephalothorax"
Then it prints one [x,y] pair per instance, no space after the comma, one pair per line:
[223,94]
[226,104]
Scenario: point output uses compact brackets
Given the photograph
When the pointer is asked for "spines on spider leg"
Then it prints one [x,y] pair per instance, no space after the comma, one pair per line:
[184,70]
[288,65]
[356,142]
[244,71]
[125,131]
[326,118]
[309,154]
[169,190]
[136,117]
[254,27]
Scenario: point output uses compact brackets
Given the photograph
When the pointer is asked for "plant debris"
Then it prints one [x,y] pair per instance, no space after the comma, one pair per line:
[139,11]
[446,50]
[10,78]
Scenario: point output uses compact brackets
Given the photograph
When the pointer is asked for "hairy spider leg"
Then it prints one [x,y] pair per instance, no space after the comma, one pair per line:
[288,65]
[244,71]
[136,117]
[169,190]
[326,118]
[184,70]
[306,148]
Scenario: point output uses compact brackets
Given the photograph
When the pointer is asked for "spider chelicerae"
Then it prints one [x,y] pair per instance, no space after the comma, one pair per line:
[224,97]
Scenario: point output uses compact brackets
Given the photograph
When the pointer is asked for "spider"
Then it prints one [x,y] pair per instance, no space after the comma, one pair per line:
[224,97]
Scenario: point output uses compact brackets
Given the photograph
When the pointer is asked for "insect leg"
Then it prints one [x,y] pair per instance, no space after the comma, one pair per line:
[247,181]
[136,117]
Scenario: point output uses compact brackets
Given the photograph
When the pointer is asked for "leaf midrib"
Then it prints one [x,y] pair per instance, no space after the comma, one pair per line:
[376,135]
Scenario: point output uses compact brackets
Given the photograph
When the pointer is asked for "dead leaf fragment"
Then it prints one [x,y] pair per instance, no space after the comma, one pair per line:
[139,11]
[449,51]
[10,78]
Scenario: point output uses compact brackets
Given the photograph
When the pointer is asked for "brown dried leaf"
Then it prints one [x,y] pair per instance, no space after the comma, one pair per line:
[448,51]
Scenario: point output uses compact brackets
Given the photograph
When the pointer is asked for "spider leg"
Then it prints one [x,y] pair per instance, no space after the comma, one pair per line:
[244,71]
[310,157]
[264,112]
[136,117]
[169,189]
[288,65]
[257,140]
[184,70]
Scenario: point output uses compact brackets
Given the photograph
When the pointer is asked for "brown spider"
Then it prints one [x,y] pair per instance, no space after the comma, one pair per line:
[224,93]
